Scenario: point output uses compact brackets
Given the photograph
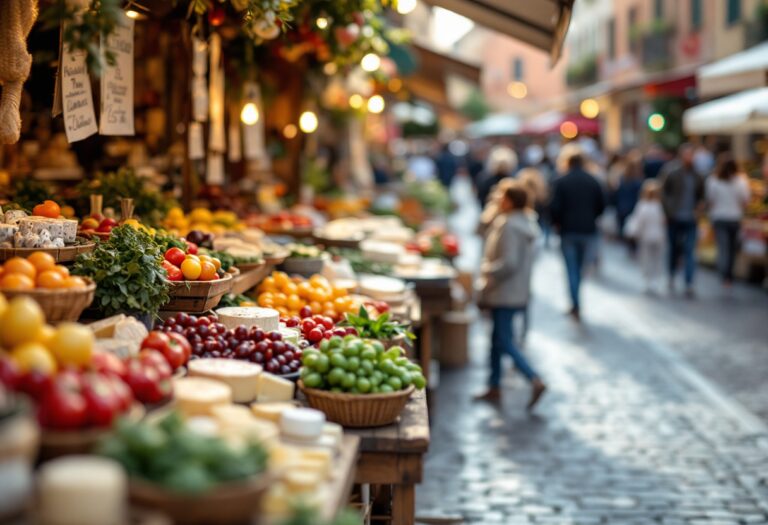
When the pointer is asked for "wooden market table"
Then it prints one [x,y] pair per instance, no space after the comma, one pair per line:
[394,456]
[340,487]
[434,301]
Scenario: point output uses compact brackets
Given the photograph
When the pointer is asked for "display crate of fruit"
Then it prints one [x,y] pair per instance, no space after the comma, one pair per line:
[197,296]
[249,277]
[66,254]
[60,304]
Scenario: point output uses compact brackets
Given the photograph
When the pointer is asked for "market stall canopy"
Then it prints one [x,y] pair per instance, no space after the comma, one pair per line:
[540,23]
[551,121]
[745,112]
[744,70]
[499,125]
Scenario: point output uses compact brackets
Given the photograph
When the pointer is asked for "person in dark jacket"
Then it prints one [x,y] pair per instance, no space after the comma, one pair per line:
[682,190]
[446,166]
[627,194]
[577,202]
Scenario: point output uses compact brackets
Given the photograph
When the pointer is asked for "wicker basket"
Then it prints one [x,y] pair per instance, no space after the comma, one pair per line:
[67,254]
[232,503]
[358,410]
[306,267]
[62,304]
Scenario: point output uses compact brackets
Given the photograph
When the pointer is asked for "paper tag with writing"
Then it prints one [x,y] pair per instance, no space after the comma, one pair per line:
[195,143]
[79,116]
[117,81]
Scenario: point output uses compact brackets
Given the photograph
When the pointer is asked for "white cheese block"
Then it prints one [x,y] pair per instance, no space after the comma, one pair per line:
[283,457]
[272,388]
[196,396]
[304,423]
[14,216]
[65,229]
[334,432]
[265,318]
[7,231]
[290,335]
[382,288]
[270,411]
[240,376]
[122,349]
[203,425]
[383,252]
[82,490]
[239,420]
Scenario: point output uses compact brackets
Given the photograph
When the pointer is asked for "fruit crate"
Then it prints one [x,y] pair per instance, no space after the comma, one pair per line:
[198,296]
[249,278]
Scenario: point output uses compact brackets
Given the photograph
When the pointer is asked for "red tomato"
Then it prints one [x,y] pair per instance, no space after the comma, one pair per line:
[175,256]
[10,375]
[156,360]
[174,352]
[173,272]
[108,363]
[63,405]
[183,343]
[103,403]
[146,382]
[191,248]
[34,383]
[122,391]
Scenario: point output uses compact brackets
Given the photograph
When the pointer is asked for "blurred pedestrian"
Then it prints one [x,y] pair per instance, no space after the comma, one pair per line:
[446,166]
[535,157]
[627,193]
[505,285]
[501,164]
[727,193]
[577,203]
[647,225]
[682,192]
[654,161]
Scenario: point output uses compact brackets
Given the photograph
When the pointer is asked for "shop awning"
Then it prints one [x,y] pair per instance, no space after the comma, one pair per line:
[499,125]
[740,71]
[540,23]
[551,121]
[745,112]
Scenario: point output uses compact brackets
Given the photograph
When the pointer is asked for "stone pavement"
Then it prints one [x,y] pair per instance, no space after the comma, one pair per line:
[629,432]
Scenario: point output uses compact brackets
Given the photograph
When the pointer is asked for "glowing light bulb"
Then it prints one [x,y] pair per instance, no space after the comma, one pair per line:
[405,6]
[290,131]
[656,121]
[321,22]
[356,101]
[308,122]
[370,62]
[517,90]
[249,115]
[376,104]
[569,130]
[589,108]
[330,68]
[132,14]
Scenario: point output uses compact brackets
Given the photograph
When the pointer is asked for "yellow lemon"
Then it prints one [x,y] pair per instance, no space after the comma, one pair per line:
[33,356]
[21,322]
[72,344]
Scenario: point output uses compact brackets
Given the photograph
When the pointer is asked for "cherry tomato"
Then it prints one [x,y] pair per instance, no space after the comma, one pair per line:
[175,256]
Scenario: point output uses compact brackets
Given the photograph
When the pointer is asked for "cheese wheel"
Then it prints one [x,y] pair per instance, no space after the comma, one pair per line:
[82,490]
[300,480]
[241,376]
[196,396]
[270,411]
[265,318]
[381,251]
[382,288]
[303,423]
[239,420]
[272,388]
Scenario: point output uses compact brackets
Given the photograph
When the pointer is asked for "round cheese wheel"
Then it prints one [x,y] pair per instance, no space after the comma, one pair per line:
[270,411]
[241,376]
[265,318]
[382,288]
[304,423]
[379,251]
[196,396]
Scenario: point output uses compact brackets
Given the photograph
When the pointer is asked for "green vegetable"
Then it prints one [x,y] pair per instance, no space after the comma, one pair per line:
[379,328]
[233,300]
[361,265]
[167,241]
[303,251]
[128,272]
[171,455]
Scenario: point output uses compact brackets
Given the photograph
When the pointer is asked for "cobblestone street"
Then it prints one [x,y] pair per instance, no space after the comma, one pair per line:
[644,420]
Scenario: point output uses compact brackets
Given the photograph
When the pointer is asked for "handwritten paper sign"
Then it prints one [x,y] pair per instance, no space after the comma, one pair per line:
[77,100]
[117,81]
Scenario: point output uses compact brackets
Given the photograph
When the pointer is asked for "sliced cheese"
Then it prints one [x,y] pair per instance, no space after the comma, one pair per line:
[265,318]
[238,421]
[270,411]
[272,388]
[82,490]
[241,376]
[196,396]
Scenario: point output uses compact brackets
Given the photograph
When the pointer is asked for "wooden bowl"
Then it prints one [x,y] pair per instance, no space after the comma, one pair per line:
[358,410]
[67,254]
[304,266]
[197,296]
[60,304]
[232,503]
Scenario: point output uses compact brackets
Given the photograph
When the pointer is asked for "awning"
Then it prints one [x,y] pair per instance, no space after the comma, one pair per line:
[745,112]
[540,23]
[551,121]
[499,125]
[740,71]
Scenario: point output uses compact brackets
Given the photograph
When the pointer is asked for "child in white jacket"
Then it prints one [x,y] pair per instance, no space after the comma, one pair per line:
[647,225]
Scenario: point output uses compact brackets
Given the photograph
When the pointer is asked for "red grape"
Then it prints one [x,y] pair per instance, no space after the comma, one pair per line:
[315,335]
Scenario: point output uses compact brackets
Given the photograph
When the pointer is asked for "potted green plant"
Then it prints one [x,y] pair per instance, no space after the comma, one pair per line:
[128,272]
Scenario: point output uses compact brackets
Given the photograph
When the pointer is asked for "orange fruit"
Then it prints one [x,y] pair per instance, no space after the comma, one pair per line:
[315,307]
[328,305]
[338,292]
[207,271]
[281,279]
[340,304]
[73,282]
[281,299]
[21,266]
[50,279]
[17,281]
[42,261]
[47,209]
[294,302]
[283,311]
[290,289]
[318,280]
[304,290]
[191,269]
[216,263]
[62,270]
[268,285]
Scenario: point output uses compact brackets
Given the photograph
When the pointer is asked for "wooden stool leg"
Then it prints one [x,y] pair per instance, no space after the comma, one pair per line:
[403,504]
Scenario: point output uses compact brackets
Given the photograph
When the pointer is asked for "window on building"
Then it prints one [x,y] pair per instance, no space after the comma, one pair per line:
[611,31]
[733,11]
[517,69]
[658,9]
[696,18]
[633,29]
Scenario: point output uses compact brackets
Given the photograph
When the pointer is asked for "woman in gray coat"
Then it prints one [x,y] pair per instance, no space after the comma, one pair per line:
[505,282]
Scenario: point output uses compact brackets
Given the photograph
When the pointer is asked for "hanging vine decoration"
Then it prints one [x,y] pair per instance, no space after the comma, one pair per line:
[82,28]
